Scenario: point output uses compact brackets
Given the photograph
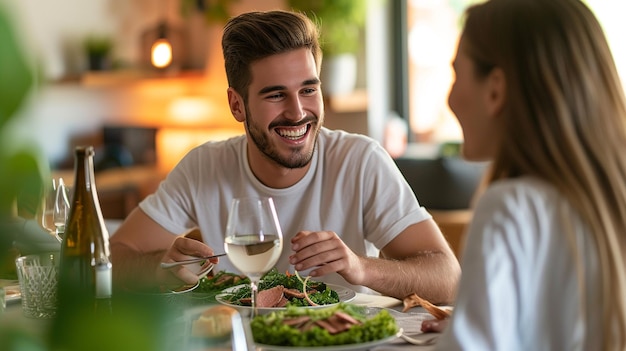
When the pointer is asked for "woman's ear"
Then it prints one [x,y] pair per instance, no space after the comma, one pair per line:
[236,104]
[496,91]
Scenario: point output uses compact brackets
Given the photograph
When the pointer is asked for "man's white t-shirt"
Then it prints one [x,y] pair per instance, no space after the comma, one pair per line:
[519,289]
[353,188]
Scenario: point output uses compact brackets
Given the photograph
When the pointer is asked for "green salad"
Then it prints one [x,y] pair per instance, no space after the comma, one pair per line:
[318,292]
[220,281]
[210,286]
[335,325]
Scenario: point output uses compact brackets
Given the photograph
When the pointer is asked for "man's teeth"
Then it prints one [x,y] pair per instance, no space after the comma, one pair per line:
[292,133]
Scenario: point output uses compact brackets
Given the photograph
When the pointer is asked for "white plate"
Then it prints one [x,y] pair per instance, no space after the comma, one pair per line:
[345,295]
[348,347]
[197,268]
[201,269]
[182,289]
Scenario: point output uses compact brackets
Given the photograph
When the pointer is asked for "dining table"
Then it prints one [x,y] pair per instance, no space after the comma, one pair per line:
[12,318]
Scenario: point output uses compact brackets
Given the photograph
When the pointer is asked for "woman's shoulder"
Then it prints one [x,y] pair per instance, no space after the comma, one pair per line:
[519,197]
[519,212]
[522,188]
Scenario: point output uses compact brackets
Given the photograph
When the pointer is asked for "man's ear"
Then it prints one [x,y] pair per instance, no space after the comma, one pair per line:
[235,102]
[496,91]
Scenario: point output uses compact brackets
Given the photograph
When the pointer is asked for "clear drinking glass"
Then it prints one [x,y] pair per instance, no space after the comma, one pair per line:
[253,240]
[38,277]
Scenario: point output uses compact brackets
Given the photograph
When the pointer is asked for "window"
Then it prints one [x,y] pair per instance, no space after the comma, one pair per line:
[428,33]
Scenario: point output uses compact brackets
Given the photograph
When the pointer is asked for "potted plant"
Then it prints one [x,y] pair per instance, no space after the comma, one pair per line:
[341,25]
[98,49]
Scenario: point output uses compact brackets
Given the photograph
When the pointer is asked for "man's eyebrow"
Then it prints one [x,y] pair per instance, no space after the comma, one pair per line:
[268,89]
[311,81]
[272,88]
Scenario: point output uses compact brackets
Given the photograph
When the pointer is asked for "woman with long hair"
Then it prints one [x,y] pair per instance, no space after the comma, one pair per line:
[537,92]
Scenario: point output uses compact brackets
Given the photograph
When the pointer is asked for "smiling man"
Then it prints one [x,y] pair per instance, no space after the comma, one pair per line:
[347,214]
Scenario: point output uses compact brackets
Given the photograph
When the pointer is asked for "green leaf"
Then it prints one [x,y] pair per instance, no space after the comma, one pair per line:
[21,170]
[17,78]
[341,22]
[21,180]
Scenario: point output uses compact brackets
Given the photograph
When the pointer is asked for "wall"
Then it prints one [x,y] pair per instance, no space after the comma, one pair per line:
[66,105]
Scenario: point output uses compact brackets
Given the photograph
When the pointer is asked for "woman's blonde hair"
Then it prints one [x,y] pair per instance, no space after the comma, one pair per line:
[564,121]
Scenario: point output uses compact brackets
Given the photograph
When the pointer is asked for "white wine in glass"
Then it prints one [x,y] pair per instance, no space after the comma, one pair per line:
[253,240]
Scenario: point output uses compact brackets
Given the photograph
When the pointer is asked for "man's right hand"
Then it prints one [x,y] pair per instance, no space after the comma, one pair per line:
[183,248]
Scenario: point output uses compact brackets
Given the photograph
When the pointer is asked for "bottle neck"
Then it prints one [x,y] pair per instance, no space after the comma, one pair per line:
[84,173]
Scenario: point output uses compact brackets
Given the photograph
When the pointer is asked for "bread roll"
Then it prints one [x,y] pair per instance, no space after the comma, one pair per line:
[214,322]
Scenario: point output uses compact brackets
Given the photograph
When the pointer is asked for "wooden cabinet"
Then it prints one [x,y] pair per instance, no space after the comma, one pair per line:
[453,225]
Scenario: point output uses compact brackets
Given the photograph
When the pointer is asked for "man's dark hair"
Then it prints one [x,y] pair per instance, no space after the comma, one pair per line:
[252,36]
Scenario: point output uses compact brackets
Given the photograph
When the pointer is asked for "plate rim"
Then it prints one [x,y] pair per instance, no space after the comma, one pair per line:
[347,290]
[344,347]
[206,271]
[190,287]
[14,297]
[184,288]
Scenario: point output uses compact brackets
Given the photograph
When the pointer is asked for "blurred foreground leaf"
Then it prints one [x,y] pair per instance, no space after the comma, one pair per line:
[21,166]
[17,78]
[22,169]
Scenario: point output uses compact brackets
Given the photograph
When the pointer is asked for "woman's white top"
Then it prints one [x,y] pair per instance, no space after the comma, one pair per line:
[520,287]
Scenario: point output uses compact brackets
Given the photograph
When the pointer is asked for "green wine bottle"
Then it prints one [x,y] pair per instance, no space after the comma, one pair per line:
[85,273]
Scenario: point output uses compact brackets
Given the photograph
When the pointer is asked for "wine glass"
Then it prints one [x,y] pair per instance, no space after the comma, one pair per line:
[253,240]
[61,208]
[47,208]
[55,209]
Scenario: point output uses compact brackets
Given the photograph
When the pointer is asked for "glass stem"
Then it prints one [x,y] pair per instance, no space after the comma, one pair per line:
[255,289]
[59,233]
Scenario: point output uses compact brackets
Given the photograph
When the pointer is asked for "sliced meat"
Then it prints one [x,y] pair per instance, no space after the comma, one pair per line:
[270,297]
[346,317]
[223,279]
[294,293]
[308,325]
[283,302]
[337,323]
[327,325]
[297,321]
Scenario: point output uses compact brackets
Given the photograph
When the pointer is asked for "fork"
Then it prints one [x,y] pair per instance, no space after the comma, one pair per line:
[419,342]
[166,265]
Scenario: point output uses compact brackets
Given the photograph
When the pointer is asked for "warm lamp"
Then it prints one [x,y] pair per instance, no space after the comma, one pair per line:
[161,53]
[162,47]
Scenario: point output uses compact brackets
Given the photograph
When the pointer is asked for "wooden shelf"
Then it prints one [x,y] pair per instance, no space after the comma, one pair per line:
[126,77]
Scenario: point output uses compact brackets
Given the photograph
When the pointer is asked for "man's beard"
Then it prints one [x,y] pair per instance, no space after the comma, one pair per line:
[297,159]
